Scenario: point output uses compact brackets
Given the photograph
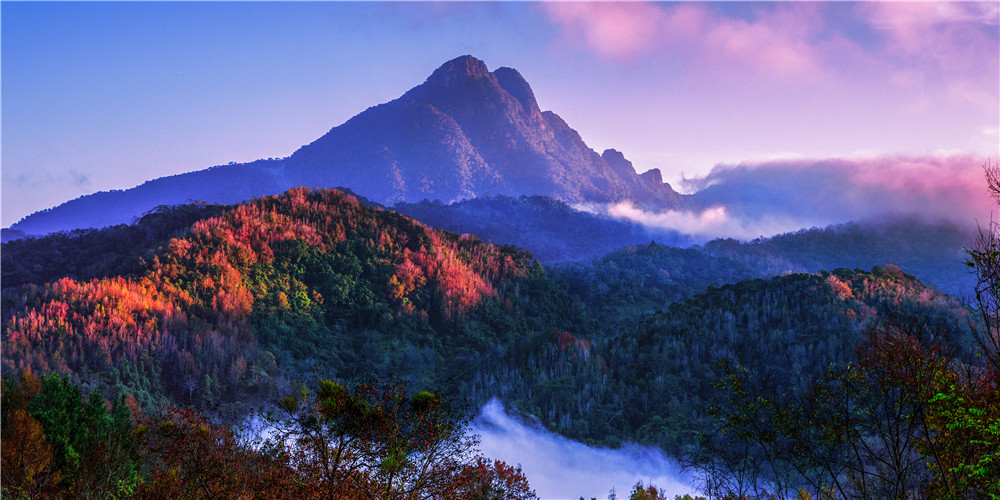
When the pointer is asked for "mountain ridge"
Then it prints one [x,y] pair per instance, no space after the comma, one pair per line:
[463,132]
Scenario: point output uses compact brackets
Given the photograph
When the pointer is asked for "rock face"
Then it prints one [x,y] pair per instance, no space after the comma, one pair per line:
[464,132]
[467,131]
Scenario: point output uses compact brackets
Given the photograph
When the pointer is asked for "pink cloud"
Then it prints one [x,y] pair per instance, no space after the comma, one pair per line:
[941,51]
[685,22]
[819,192]
[760,46]
[765,198]
[614,30]
[774,43]
[952,184]
[792,40]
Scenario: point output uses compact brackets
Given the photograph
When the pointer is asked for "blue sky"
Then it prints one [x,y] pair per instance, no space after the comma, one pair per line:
[99,96]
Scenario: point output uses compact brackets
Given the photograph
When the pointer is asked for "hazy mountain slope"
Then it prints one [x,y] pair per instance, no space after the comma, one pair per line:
[630,284]
[633,283]
[932,251]
[221,184]
[464,132]
[550,229]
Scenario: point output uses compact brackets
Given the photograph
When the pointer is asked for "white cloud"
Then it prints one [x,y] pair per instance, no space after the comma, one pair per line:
[712,222]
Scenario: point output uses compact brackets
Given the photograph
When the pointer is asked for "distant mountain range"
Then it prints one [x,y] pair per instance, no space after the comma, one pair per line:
[560,236]
[462,133]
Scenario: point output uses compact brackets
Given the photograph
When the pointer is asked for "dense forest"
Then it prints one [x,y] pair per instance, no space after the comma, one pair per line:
[654,379]
[241,309]
[85,254]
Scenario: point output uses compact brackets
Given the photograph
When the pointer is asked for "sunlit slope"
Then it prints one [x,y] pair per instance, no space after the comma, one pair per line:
[296,284]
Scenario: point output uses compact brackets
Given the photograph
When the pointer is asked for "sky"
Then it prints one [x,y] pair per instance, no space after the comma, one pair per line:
[99,96]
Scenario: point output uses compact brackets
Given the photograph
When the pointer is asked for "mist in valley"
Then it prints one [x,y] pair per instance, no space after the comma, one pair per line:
[560,468]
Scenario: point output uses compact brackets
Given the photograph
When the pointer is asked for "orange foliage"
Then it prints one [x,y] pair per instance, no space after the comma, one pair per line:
[841,289]
[191,309]
[27,458]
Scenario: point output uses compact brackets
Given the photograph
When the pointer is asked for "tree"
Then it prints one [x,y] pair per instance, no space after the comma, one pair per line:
[375,441]
[27,458]
[984,260]
[646,492]
[964,412]
[487,479]
[187,456]
[57,443]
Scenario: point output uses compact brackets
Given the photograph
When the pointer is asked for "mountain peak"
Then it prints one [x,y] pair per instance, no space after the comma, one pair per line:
[466,78]
[515,85]
[459,69]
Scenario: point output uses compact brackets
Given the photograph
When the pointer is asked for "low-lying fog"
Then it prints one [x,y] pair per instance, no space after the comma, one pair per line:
[557,467]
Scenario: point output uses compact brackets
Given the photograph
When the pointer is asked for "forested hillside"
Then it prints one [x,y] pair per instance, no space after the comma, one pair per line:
[633,283]
[310,284]
[313,281]
[654,380]
[934,251]
[232,308]
[85,254]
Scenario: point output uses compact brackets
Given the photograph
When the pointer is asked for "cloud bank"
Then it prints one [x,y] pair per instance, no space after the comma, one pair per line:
[762,199]
[557,467]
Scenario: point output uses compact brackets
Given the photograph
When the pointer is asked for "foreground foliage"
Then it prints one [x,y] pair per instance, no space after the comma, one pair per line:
[369,442]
